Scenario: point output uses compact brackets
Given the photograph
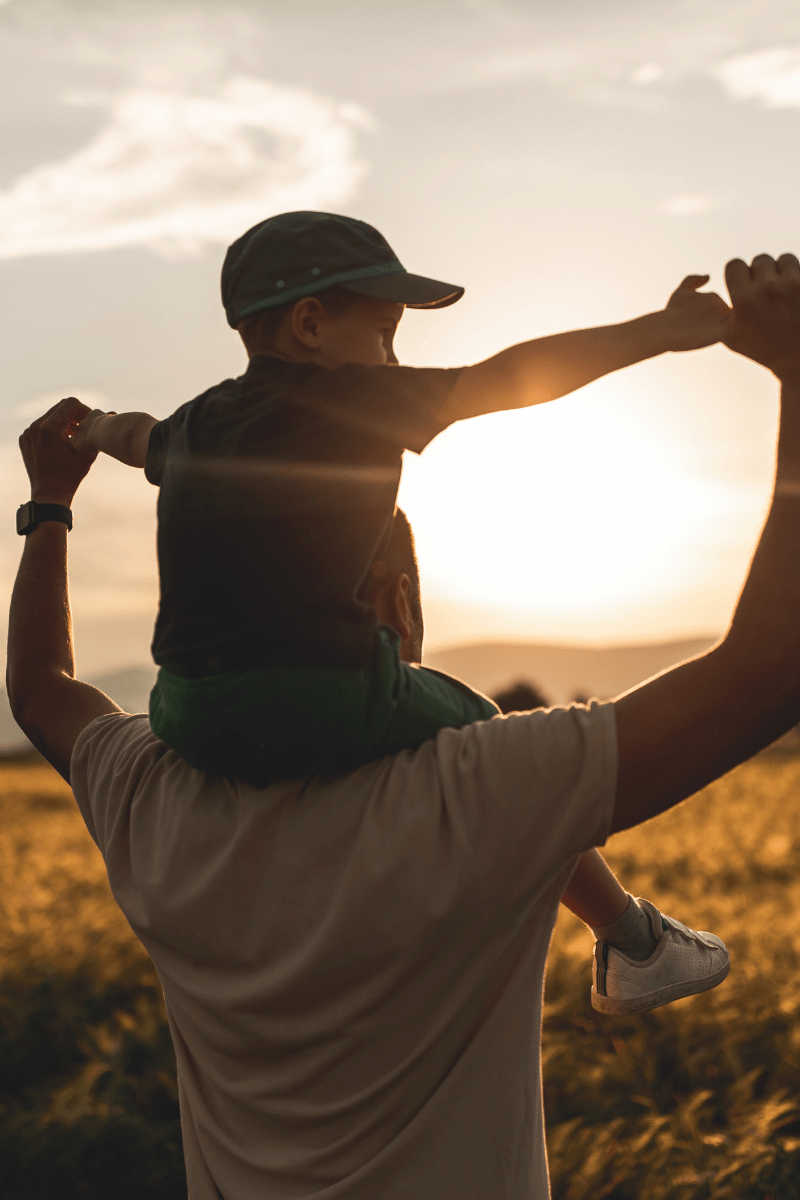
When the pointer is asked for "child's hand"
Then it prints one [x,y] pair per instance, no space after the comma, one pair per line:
[695,318]
[83,434]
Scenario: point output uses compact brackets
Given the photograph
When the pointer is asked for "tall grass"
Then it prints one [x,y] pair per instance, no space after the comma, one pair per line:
[697,1100]
[700,1098]
[88,1099]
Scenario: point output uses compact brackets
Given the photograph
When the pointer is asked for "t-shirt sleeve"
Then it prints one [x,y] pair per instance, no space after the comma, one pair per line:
[529,792]
[156,452]
[112,756]
[405,406]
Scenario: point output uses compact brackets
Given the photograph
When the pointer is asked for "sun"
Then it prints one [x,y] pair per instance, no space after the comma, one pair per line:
[566,508]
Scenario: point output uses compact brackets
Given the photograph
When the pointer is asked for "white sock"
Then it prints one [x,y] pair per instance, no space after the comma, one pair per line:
[631,933]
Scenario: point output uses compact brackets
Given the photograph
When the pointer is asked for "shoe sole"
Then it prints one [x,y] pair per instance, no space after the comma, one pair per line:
[665,995]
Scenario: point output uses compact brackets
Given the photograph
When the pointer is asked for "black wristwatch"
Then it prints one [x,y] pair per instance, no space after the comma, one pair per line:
[32,514]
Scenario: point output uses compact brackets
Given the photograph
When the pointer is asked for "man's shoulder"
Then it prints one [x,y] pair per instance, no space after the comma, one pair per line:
[530,791]
[543,738]
[117,733]
[104,759]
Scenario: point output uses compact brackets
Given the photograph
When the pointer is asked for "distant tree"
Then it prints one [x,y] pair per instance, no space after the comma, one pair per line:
[520,697]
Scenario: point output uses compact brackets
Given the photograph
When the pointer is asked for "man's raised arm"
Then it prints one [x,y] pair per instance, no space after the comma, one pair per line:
[690,725]
[49,704]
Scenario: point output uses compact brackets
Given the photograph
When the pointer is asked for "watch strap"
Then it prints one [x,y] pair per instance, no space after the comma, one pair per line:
[30,515]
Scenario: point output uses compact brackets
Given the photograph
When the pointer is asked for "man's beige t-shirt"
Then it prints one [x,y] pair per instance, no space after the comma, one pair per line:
[353,965]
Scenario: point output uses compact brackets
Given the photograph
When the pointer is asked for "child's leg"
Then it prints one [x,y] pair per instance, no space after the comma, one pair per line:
[595,896]
[642,958]
[593,893]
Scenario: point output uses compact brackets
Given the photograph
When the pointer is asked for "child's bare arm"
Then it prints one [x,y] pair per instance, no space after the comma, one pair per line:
[537,371]
[121,435]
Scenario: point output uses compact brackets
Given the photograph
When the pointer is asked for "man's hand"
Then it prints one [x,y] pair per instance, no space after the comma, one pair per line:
[765,325]
[696,319]
[54,466]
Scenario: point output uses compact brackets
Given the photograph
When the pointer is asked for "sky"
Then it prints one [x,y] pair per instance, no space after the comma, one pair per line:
[567,162]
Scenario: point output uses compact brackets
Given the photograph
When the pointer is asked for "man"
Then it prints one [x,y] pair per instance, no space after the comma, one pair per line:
[353,965]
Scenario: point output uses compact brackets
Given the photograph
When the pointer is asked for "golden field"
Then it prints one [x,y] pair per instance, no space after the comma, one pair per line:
[699,1099]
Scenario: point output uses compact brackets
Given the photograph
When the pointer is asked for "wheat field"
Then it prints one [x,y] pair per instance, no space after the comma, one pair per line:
[696,1100]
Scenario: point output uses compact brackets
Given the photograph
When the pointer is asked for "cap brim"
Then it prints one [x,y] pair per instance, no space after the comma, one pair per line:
[415,291]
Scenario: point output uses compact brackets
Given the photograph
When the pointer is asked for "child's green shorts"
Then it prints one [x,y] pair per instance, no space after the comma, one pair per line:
[278,723]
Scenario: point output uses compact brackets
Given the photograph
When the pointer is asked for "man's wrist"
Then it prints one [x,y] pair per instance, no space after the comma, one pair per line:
[54,529]
[35,513]
[50,496]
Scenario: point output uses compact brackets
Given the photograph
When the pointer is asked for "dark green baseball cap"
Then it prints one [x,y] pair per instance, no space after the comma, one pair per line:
[301,253]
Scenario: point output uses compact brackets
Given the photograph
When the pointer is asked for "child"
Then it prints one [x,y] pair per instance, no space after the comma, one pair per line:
[278,489]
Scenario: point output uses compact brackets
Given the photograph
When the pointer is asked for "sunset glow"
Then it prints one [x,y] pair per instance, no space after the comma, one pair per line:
[566,510]
[567,165]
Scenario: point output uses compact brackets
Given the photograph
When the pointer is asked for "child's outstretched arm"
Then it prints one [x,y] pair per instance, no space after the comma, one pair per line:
[541,370]
[121,435]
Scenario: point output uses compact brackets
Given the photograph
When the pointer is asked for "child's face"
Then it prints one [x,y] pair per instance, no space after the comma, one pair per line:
[363,334]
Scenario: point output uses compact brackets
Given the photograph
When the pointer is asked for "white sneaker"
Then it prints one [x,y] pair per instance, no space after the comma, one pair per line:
[684,962]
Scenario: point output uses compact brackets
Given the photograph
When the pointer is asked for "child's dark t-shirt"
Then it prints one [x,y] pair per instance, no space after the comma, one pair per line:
[277,492]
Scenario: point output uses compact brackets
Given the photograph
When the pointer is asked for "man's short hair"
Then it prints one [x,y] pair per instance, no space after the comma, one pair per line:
[400,558]
[261,329]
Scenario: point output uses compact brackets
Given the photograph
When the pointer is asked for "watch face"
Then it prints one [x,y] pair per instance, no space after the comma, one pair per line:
[25,519]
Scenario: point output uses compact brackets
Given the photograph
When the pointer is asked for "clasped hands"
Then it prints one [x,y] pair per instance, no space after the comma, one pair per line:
[55,468]
[762,323]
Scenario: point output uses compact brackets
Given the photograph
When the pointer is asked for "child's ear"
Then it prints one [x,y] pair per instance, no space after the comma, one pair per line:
[305,322]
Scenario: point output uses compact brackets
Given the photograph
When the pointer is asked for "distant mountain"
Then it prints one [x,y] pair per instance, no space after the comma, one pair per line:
[12,740]
[562,672]
[128,687]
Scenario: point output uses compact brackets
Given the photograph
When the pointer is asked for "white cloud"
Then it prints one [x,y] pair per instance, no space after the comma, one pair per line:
[581,66]
[642,55]
[549,63]
[176,171]
[647,73]
[771,76]
[688,205]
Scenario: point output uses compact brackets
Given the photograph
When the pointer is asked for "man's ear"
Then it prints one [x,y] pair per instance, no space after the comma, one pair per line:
[400,609]
[304,322]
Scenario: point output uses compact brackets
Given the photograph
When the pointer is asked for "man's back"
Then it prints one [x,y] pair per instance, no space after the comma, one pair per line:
[353,965]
